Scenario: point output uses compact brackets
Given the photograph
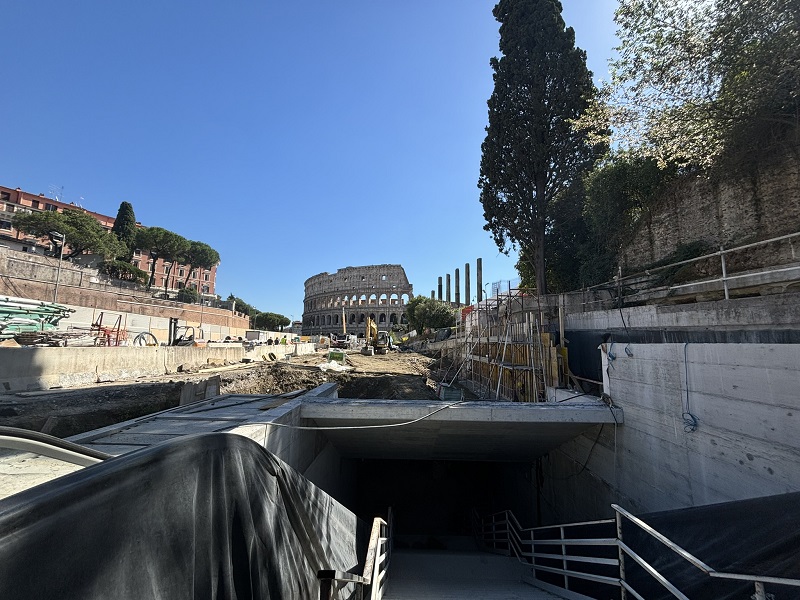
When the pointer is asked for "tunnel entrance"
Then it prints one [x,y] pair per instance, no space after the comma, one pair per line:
[433,501]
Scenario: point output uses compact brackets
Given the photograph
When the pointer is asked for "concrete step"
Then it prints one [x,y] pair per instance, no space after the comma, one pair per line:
[446,575]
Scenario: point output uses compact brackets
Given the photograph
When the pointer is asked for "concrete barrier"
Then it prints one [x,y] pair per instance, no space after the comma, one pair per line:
[29,368]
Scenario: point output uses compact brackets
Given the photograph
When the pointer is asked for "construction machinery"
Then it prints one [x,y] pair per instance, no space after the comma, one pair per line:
[32,321]
[377,342]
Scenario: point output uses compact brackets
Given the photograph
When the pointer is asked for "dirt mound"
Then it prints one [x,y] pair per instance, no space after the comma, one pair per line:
[68,412]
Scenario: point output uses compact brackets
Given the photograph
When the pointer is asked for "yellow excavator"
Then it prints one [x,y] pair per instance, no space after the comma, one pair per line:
[380,341]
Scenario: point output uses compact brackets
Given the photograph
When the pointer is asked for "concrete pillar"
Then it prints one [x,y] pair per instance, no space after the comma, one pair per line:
[479,277]
[468,298]
[447,287]
[440,289]
[458,288]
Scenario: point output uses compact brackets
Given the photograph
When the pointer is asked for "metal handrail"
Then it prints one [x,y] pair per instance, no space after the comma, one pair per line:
[616,283]
[502,529]
[376,565]
[757,580]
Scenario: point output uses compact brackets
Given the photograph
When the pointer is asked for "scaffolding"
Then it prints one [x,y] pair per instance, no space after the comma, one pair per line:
[509,348]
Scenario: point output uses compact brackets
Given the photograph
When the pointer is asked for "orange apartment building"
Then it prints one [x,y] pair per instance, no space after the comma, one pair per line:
[13,201]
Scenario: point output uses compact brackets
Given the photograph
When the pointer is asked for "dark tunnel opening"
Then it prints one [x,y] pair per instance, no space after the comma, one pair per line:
[433,501]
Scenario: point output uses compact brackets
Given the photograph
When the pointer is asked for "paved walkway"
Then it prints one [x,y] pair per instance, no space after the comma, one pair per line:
[447,575]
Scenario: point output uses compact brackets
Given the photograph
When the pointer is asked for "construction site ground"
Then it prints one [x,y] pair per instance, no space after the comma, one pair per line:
[66,412]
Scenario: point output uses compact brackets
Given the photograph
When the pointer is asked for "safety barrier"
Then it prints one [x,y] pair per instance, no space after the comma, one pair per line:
[501,533]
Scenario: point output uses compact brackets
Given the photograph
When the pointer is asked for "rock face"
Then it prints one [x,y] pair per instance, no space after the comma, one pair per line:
[762,202]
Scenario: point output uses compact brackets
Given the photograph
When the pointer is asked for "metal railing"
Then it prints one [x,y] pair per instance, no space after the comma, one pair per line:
[618,284]
[372,582]
[501,533]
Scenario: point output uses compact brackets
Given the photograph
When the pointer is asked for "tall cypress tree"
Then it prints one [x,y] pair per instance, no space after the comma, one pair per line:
[125,227]
[532,152]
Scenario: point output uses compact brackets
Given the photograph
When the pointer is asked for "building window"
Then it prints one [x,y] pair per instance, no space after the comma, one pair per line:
[50,207]
[181,273]
[34,204]
[205,277]
[10,207]
[5,225]
[137,252]
[4,196]
[205,289]
[193,275]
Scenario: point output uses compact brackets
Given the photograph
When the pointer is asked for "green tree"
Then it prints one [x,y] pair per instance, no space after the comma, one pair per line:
[160,243]
[125,228]
[243,307]
[532,151]
[695,77]
[269,321]
[187,295]
[620,195]
[423,313]
[123,270]
[82,231]
[199,255]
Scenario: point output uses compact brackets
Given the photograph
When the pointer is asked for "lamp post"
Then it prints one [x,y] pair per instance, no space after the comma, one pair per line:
[59,238]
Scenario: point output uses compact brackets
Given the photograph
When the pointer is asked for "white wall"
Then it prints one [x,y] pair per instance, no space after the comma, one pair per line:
[747,443]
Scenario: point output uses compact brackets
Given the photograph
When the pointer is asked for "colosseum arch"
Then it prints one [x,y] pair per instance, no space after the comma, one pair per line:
[382,289]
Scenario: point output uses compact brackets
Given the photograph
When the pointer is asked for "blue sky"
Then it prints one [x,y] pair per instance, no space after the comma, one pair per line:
[294,137]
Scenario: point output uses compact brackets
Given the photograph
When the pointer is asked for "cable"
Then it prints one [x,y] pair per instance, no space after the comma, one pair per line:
[690,422]
[385,425]
[588,456]
[572,397]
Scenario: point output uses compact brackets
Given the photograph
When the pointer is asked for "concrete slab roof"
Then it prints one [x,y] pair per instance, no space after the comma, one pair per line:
[485,431]
[374,429]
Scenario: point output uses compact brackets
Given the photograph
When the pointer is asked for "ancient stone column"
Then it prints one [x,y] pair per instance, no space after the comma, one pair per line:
[479,277]
[468,298]
[458,288]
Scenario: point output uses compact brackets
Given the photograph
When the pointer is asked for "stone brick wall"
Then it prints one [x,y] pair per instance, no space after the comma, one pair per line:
[759,205]
[31,276]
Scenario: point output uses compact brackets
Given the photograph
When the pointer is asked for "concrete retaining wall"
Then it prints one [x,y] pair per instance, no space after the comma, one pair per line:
[746,444]
[30,368]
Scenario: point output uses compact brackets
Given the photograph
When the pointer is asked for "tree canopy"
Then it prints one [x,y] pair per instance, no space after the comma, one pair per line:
[695,78]
[83,232]
[161,243]
[533,151]
[423,313]
[125,227]
[260,320]
[199,255]
[270,321]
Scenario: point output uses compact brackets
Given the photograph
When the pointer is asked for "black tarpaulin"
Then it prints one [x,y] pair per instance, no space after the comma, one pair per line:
[759,536]
[213,516]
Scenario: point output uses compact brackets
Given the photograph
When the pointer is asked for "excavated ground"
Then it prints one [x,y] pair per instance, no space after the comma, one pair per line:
[66,412]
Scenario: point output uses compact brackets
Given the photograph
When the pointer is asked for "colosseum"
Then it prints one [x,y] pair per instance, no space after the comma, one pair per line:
[351,295]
